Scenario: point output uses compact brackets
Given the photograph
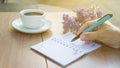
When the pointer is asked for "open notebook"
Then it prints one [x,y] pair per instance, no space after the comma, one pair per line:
[61,50]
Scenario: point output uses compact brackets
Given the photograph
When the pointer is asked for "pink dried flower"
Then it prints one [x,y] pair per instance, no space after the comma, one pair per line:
[93,15]
[99,13]
[65,16]
[73,23]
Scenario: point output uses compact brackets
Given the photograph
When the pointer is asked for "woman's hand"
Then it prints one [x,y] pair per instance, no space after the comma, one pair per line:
[106,33]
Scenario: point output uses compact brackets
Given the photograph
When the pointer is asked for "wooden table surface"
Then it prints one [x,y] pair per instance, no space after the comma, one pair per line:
[15,46]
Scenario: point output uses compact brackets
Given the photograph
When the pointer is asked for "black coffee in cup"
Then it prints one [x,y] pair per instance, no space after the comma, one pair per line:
[33,14]
[32,18]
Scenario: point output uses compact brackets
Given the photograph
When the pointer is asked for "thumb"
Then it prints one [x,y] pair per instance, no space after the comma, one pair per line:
[89,36]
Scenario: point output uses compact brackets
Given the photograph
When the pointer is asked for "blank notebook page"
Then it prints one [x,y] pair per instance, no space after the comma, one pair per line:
[61,50]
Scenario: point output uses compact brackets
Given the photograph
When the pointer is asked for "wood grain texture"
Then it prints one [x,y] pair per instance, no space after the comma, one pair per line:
[104,57]
[15,49]
[15,46]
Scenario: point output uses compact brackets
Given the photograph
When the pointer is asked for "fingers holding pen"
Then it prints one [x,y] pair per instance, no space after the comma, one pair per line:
[85,26]
[88,37]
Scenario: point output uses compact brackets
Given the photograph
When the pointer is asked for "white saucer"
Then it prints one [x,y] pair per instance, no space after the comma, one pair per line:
[17,24]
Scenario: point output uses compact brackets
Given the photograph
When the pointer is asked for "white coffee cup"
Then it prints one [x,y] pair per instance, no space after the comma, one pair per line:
[32,18]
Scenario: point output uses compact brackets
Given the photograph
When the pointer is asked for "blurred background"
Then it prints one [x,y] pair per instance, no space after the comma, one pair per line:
[107,6]
[14,5]
[61,3]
